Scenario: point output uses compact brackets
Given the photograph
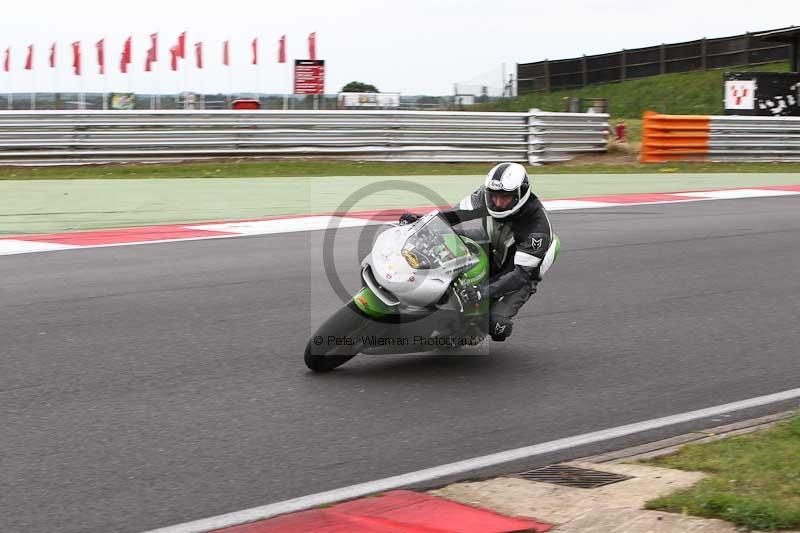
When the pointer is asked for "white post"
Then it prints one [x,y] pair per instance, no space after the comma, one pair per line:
[55,87]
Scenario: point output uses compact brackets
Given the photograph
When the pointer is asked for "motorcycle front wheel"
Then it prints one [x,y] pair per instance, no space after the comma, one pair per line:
[337,340]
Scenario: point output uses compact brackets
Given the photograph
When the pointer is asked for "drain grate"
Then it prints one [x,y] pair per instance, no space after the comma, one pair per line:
[572,476]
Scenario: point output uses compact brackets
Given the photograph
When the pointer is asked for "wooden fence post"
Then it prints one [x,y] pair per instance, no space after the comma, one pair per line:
[747,47]
[583,71]
[704,54]
[547,75]
[623,65]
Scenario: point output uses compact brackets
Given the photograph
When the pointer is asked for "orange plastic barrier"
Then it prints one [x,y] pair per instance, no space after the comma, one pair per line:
[674,137]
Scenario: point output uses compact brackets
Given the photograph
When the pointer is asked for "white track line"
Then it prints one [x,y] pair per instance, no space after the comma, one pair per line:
[21,246]
[460,467]
[284,225]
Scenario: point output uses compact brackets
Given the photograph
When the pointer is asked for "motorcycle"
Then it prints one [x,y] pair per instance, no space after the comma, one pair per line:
[409,300]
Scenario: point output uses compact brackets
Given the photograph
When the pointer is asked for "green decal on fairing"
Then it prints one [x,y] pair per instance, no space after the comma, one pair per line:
[370,304]
[479,272]
[476,275]
[455,245]
[558,247]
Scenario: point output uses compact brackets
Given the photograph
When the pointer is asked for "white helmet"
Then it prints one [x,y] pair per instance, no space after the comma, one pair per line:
[507,189]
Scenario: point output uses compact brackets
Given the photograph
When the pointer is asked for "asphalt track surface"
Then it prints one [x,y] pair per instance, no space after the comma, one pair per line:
[146,386]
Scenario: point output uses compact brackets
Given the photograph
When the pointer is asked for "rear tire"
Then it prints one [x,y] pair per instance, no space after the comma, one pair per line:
[348,323]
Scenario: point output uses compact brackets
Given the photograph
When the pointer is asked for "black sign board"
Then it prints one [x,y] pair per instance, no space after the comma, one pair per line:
[772,94]
[309,76]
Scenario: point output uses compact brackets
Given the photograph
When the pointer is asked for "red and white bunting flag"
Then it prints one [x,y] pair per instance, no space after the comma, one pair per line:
[101,56]
[182,45]
[126,51]
[254,47]
[226,53]
[7,60]
[76,58]
[53,55]
[312,45]
[125,58]
[282,49]
[173,57]
[198,54]
[29,59]
[152,54]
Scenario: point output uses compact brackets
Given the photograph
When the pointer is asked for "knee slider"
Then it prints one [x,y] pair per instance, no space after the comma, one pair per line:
[500,328]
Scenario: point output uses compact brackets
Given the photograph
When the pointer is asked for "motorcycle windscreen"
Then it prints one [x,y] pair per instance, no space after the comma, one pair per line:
[433,245]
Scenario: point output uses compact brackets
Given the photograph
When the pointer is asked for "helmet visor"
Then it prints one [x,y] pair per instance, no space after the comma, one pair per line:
[501,200]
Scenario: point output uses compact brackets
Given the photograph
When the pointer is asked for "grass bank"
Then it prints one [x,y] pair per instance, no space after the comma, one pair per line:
[698,92]
[755,482]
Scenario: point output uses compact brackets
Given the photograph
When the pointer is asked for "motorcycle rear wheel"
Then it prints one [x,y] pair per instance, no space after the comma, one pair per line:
[329,348]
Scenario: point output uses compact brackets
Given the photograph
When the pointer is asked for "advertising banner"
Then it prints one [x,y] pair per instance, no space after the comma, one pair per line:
[123,101]
[370,100]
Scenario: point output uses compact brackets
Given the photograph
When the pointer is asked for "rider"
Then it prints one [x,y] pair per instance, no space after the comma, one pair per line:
[523,246]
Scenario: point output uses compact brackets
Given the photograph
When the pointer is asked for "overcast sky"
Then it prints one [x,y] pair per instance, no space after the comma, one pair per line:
[407,46]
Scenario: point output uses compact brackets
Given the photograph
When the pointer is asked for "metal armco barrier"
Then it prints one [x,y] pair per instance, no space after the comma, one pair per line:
[719,138]
[556,136]
[81,137]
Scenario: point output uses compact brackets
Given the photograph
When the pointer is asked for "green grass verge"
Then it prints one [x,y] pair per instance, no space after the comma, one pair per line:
[241,169]
[695,93]
[756,481]
[309,168]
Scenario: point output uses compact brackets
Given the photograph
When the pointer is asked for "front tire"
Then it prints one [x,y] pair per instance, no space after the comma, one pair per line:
[331,345]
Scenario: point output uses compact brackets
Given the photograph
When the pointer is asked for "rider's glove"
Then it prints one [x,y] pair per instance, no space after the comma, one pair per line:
[470,294]
[408,218]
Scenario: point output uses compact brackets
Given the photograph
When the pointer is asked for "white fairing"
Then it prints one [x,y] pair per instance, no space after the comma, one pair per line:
[399,283]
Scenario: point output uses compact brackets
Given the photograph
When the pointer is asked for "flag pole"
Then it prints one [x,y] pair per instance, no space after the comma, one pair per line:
[33,85]
[105,78]
[255,57]
[286,87]
[158,76]
[230,73]
[131,81]
[55,86]
[158,85]
[185,79]
[7,62]
[81,96]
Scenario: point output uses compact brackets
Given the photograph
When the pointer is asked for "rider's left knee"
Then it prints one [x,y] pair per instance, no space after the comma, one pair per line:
[501,327]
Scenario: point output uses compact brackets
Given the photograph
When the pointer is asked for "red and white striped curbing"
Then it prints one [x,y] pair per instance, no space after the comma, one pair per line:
[23,244]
